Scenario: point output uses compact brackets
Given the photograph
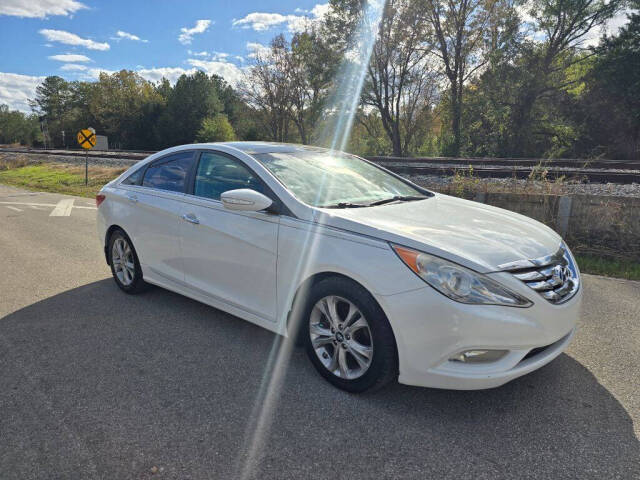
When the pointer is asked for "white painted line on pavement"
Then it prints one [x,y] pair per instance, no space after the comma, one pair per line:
[36,206]
[63,208]
[13,208]
[30,204]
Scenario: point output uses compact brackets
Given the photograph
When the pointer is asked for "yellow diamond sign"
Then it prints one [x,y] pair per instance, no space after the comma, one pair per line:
[86,138]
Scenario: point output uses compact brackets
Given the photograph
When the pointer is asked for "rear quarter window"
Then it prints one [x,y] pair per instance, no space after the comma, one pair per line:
[133,178]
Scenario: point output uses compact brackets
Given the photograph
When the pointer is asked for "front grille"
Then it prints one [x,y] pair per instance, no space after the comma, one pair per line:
[555,277]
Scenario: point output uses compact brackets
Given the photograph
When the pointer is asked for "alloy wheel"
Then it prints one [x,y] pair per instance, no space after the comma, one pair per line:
[341,337]
[123,262]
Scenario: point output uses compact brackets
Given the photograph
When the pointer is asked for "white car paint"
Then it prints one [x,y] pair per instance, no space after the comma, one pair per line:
[251,264]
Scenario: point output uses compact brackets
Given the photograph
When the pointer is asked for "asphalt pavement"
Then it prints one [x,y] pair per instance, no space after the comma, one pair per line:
[98,384]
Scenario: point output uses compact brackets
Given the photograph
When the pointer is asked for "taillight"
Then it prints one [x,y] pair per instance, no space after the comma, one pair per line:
[99,199]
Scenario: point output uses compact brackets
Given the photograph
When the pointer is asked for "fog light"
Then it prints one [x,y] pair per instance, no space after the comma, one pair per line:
[479,356]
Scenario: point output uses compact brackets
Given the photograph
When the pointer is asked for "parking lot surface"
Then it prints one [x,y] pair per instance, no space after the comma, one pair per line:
[98,384]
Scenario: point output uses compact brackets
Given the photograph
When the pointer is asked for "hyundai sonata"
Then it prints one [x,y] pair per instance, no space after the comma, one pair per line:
[378,277]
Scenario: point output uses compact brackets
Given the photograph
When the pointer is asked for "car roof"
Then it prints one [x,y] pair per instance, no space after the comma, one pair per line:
[270,147]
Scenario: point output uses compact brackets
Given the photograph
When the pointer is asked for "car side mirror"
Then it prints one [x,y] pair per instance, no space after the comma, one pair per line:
[245,199]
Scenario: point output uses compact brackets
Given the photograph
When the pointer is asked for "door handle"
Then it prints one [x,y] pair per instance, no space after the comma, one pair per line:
[133,198]
[191,218]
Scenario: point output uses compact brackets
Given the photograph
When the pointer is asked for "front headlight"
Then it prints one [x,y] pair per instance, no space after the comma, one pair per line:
[457,282]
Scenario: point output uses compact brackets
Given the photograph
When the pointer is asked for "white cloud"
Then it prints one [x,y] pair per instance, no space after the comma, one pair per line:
[261,21]
[170,73]
[128,36]
[610,28]
[229,71]
[16,90]
[69,38]
[534,33]
[187,33]
[222,56]
[203,53]
[257,50]
[39,8]
[94,73]
[70,57]
[320,10]
[73,67]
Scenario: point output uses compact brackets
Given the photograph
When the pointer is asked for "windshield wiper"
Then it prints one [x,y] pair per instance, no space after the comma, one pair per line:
[345,205]
[397,198]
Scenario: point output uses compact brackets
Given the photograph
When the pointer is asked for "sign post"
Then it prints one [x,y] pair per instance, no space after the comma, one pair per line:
[87,140]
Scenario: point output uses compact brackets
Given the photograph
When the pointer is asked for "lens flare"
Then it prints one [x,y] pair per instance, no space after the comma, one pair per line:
[340,112]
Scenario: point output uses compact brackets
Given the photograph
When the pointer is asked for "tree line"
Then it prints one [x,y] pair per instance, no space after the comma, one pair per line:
[503,78]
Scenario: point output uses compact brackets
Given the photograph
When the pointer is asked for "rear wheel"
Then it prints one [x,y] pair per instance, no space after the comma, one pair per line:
[125,266]
[348,337]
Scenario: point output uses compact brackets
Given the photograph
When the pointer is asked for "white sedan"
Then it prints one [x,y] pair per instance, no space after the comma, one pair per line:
[378,277]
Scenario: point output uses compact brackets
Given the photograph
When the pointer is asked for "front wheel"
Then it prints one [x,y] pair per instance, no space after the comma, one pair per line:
[348,338]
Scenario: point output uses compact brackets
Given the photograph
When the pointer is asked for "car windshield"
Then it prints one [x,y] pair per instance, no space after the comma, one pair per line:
[336,180]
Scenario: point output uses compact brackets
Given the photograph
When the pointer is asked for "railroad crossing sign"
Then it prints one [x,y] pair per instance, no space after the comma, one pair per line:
[87,138]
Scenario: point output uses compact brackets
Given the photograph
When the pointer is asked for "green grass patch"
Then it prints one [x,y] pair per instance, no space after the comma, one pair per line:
[610,268]
[67,179]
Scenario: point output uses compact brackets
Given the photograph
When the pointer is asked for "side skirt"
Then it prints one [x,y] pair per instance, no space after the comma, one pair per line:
[167,284]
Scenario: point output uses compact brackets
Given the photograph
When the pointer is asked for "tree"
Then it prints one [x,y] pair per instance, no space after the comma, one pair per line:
[459,30]
[401,84]
[193,98]
[216,129]
[17,127]
[311,65]
[560,28]
[53,101]
[266,89]
[609,108]
[118,103]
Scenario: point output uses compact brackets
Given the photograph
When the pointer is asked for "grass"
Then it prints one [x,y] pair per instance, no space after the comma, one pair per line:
[609,268]
[56,178]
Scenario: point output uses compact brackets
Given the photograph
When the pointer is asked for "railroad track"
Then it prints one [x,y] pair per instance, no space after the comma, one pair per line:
[116,154]
[594,171]
[579,174]
[512,162]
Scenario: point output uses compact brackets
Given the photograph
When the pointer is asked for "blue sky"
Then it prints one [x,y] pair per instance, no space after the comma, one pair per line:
[78,38]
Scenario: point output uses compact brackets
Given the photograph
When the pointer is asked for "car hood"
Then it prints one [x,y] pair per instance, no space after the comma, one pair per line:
[479,236]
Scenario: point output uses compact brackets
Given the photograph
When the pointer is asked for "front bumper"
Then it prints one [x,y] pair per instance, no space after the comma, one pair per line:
[430,329]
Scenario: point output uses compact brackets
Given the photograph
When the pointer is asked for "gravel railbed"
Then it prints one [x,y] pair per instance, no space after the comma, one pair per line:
[72,159]
[549,168]
[509,185]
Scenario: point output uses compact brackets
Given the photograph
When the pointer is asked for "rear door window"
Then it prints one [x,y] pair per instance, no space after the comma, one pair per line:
[169,173]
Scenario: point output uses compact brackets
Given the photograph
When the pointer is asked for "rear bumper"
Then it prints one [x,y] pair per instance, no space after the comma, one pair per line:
[430,329]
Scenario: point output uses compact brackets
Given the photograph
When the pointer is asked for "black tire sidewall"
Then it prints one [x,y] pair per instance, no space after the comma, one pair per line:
[383,367]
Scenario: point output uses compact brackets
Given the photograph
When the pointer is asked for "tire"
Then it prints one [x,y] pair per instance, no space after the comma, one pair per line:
[356,351]
[127,277]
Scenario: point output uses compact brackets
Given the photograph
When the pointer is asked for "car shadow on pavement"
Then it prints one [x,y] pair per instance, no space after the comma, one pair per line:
[97,383]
